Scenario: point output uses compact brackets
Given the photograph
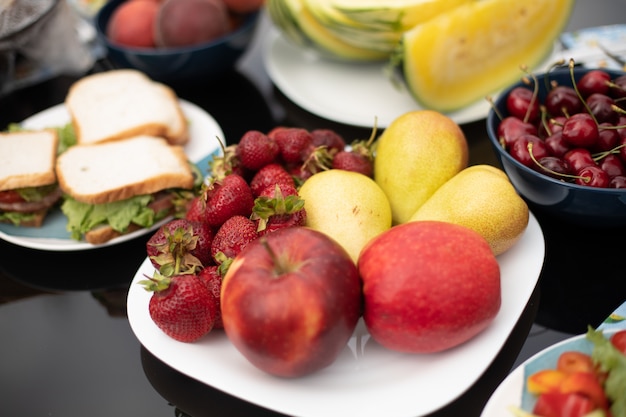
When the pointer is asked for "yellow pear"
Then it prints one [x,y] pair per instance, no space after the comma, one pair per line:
[482,198]
[416,154]
[347,206]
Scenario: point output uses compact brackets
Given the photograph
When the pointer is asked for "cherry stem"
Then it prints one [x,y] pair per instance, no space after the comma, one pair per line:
[571,72]
[535,92]
[560,174]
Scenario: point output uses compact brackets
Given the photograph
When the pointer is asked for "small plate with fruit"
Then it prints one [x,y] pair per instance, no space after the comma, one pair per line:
[576,377]
[53,235]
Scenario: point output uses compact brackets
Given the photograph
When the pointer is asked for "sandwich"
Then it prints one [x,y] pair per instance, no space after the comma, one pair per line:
[28,182]
[116,187]
[123,103]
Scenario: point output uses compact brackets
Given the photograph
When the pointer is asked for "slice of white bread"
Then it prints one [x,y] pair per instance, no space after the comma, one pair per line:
[113,171]
[123,103]
[27,158]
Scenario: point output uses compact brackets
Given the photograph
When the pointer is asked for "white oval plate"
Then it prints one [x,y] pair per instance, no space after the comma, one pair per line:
[366,379]
[356,94]
[53,236]
[511,392]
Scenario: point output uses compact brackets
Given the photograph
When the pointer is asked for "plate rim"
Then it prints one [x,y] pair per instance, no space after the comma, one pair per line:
[190,110]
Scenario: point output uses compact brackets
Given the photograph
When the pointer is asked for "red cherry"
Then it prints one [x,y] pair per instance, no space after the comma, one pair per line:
[612,165]
[593,176]
[617,182]
[521,150]
[554,167]
[556,145]
[523,104]
[607,138]
[510,128]
[594,81]
[600,106]
[579,158]
[580,130]
[553,125]
[618,89]
[563,100]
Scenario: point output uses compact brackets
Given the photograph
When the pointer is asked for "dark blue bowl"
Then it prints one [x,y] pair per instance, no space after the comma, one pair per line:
[175,64]
[582,205]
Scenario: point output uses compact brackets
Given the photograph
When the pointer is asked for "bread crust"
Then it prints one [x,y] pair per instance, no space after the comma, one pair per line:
[163,166]
[118,104]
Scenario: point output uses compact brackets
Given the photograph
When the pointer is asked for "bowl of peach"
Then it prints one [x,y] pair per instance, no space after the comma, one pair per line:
[175,40]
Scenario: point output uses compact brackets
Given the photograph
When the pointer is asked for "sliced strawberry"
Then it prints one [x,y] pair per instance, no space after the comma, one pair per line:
[255,150]
[232,237]
[228,197]
[181,306]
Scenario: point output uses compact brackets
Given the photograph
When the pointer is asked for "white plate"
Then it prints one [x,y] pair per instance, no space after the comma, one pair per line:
[366,379]
[512,391]
[52,235]
[350,93]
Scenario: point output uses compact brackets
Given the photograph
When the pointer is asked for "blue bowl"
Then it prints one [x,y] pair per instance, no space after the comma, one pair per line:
[181,63]
[578,204]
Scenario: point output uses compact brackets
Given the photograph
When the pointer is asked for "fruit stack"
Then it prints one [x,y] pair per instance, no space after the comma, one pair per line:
[295,236]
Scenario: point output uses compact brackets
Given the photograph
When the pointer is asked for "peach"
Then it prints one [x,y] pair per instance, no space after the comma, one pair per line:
[190,22]
[244,6]
[132,23]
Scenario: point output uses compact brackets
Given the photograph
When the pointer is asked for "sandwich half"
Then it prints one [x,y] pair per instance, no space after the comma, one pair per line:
[28,182]
[117,187]
[122,103]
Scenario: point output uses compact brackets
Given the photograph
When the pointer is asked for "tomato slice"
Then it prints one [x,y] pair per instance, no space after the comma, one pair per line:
[559,404]
[10,196]
[619,341]
[587,384]
[574,361]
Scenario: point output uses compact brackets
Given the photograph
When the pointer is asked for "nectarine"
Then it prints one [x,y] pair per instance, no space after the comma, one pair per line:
[190,22]
[244,6]
[132,23]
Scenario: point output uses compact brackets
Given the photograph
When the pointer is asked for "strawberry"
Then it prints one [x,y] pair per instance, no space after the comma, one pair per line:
[227,197]
[268,176]
[196,208]
[256,149]
[360,158]
[353,161]
[181,306]
[278,211]
[328,138]
[232,237]
[227,164]
[294,144]
[212,276]
[182,239]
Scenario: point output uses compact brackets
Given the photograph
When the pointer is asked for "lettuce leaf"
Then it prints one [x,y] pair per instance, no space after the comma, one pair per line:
[82,217]
[612,361]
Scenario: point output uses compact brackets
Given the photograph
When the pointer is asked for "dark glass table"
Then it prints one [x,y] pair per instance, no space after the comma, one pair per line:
[66,347]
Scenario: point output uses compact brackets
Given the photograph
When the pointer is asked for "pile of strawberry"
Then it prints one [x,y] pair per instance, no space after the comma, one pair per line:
[252,190]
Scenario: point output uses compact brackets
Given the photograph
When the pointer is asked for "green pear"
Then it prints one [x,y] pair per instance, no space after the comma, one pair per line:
[347,206]
[482,198]
[416,154]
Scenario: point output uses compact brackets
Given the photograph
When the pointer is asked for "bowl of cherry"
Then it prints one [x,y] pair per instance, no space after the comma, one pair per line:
[560,136]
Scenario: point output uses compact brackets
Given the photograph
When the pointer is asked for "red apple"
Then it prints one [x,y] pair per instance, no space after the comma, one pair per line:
[290,301]
[428,286]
